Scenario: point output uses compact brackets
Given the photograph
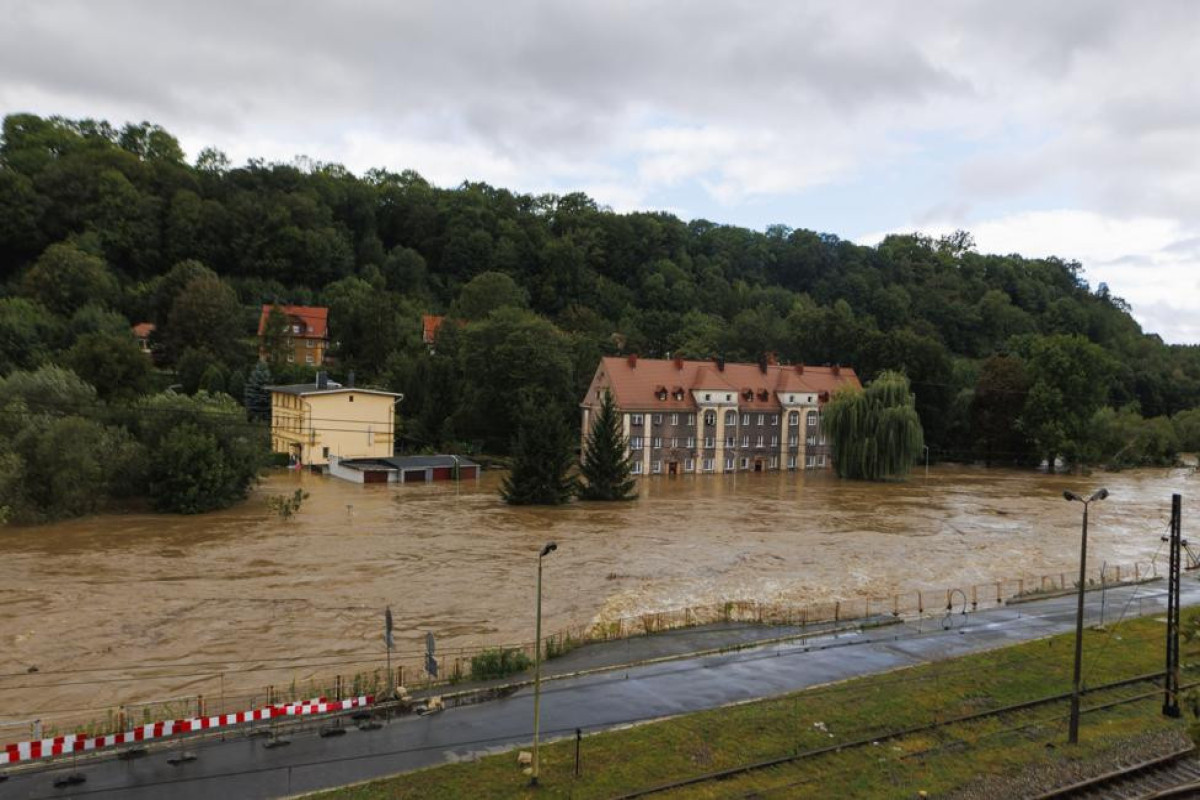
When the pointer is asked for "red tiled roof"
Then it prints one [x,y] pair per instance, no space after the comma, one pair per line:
[429,327]
[638,383]
[143,329]
[315,320]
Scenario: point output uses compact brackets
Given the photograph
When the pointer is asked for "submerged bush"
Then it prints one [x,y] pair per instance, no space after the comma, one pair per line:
[498,663]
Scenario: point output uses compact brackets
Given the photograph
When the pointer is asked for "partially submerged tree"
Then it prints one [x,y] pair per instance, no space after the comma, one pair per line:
[606,469]
[542,459]
[875,432]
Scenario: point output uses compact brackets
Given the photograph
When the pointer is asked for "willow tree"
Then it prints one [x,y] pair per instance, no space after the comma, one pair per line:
[875,432]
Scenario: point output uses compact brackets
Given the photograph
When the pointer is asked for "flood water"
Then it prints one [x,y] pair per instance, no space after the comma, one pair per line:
[226,592]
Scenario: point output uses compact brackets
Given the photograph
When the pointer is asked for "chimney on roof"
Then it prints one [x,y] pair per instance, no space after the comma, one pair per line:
[322,379]
[632,359]
[762,364]
[837,370]
[350,379]
[800,368]
[721,364]
[678,362]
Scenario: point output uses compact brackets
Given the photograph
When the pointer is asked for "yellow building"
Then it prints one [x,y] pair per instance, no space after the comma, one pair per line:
[313,421]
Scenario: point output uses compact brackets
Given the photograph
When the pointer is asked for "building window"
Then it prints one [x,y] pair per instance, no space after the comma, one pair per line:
[656,467]
[745,441]
[710,418]
[730,441]
[291,357]
[812,419]
[809,462]
[308,358]
[691,420]
[351,398]
[308,343]
[774,441]
[709,443]
[774,462]
[658,419]
[657,442]
[794,419]
[691,443]
[637,468]
[689,465]
[775,419]
[708,397]
[729,465]
[745,419]
[791,462]
[731,418]
[762,418]
[635,443]
[728,397]
[708,465]
[812,440]
[745,463]
[635,419]
[760,440]
[820,461]
[674,419]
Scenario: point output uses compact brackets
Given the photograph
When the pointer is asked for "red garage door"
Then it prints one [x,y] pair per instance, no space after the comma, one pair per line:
[442,473]
[375,476]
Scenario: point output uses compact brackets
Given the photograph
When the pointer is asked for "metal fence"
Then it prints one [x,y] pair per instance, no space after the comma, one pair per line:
[231,691]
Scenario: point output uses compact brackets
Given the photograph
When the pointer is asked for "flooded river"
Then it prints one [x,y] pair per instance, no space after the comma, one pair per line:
[227,592]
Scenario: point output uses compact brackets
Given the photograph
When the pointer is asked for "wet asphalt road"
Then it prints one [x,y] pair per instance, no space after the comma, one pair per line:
[243,768]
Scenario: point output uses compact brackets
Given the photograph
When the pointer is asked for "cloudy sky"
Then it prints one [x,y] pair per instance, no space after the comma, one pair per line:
[1067,128]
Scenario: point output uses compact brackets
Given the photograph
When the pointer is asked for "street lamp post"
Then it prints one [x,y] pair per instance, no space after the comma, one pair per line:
[537,665]
[1073,731]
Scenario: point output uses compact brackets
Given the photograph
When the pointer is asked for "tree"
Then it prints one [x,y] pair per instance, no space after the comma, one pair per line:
[487,292]
[203,455]
[276,343]
[542,459]
[1000,394]
[213,380]
[606,467]
[66,278]
[114,364]
[875,432]
[256,398]
[206,316]
[27,334]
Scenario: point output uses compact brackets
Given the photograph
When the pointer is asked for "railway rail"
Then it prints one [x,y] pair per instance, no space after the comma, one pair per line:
[1123,689]
[1171,776]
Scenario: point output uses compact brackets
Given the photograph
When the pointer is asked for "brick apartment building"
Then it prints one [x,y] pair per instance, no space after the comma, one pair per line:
[684,416]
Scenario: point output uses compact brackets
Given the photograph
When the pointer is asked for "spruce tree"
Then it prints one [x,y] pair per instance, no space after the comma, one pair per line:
[542,459]
[258,399]
[606,468]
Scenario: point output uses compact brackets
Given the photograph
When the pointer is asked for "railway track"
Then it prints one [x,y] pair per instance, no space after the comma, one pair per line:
[1114,694]
[1175,775]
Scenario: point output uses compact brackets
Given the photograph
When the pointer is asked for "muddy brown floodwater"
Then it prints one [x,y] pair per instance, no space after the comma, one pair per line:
[195,597]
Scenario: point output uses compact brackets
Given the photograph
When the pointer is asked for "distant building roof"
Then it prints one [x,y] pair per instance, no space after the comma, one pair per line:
[143,329]
[313,320]
[650,384]
[429,327]
[407,462]
[301,389]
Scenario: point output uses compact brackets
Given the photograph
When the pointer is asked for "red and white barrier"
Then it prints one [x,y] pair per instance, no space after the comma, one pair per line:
[75,743]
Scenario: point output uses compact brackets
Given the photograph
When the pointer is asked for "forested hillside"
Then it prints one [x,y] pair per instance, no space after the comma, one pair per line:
[1011,359]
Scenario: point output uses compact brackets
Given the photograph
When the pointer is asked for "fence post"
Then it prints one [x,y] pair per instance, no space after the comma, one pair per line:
[1062,580]
[920,602]
[270,695]
[199,705]
[1020,586]
[837,611]
[1118,573]
[999,594]
[1137,571]
[974,597]
[337,687]
[895,605]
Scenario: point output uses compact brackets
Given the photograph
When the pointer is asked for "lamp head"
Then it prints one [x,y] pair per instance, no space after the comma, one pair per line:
[548,549]
[1099,495]
[1069,495]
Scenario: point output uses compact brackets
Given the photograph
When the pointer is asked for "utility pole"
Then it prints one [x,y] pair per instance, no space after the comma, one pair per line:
[1171,684]
[1073,730]
[537,665]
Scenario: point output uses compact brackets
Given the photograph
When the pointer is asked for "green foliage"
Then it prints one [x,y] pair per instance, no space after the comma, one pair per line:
[275,343]
[875,432]
[606,467]
[257,398]
[206,316]
[112,363]
[27,334]
[1187,429]
[203,455]
[66,278]
[542,458]
[499,662]
[1123,438]
[287,506]
[487,292]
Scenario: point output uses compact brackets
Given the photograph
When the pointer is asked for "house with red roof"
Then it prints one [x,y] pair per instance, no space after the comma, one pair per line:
[306,332]
[687,416]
